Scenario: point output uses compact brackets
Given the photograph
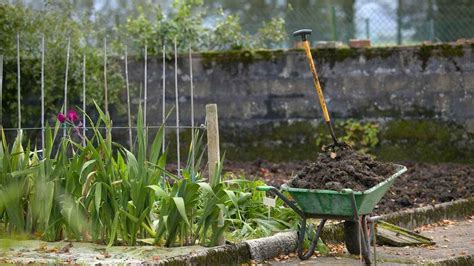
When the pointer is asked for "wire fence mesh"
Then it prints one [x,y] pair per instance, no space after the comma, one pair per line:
[385,22]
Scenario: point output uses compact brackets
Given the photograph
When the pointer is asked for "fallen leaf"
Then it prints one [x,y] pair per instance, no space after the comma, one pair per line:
[333,155]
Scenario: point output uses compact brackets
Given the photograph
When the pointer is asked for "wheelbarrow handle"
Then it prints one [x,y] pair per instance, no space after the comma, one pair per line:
[284,198]
[264,188]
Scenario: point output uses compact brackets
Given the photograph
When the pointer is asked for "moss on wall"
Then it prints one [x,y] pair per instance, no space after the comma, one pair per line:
[400,140]
[333,56]
[425,52]
[282,142]
[425,141]
[239,56]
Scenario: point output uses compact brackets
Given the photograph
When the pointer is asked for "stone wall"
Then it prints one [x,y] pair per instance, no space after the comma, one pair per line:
[260,92]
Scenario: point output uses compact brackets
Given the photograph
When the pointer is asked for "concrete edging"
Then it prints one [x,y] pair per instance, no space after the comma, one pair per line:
[283,243]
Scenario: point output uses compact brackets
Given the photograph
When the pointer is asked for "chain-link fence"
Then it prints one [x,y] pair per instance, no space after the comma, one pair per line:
[385,22]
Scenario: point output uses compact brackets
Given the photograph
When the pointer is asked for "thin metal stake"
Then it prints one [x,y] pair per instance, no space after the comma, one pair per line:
[177,106]
[106,92]
[42,92]
[84,100]
[18,87]
[163,145]
[127,84]
[1,91]
[192,111]
[65,80]
[145,87]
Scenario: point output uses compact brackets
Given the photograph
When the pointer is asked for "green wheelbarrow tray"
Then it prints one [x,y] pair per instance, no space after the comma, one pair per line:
[346,205]
[330,203]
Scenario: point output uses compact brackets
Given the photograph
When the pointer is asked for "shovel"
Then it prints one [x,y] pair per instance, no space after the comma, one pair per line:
[322,102]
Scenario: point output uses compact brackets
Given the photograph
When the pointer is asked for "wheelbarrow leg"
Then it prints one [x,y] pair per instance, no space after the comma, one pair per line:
[365,241]
[362,224]
[314,242]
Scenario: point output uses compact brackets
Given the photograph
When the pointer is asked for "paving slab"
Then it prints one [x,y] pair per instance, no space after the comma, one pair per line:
[454,244]
[41,252]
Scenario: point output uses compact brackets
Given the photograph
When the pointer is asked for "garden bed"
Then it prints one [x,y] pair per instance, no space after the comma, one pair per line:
[423,184]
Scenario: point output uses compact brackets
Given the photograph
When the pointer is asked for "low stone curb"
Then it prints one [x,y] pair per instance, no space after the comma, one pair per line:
[466,260]
[283,243]
[414,218]
[235,254]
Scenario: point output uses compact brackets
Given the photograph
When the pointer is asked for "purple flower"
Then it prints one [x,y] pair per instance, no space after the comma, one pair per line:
[61,117]
[72,115]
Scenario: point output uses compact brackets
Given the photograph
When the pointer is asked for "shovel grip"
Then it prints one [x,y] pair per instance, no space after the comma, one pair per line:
[317,85]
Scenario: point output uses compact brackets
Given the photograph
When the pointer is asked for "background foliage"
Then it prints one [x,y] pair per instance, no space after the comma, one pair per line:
[146,24]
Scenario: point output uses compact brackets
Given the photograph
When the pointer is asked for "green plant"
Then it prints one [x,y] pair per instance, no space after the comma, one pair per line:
[271,33]
[95,189]
[246,213]
[362,136]
[228,34]
[187,22]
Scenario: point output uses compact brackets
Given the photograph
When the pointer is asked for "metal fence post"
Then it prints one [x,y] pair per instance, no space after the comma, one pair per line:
[106,89]
[367,28]
[333,23]
[18,86]
[42,93]
[399,22]
[65,80]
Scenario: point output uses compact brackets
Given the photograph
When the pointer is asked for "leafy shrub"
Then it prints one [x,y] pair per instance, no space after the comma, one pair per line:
[362,136]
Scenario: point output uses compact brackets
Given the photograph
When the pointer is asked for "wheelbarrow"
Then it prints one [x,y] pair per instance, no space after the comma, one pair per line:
[351,206]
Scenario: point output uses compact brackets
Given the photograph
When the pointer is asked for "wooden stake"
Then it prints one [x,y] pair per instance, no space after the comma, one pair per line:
[127,84]
[213,155]
[213,150]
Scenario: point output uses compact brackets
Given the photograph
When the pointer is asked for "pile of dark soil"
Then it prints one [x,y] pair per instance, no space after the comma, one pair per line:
[342,169]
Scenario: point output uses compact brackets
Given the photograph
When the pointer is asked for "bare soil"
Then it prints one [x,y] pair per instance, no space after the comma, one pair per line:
[342,169]
[423,184]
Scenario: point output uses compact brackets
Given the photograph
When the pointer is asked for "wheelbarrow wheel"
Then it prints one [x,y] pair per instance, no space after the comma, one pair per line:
[353,242]
[351,237]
